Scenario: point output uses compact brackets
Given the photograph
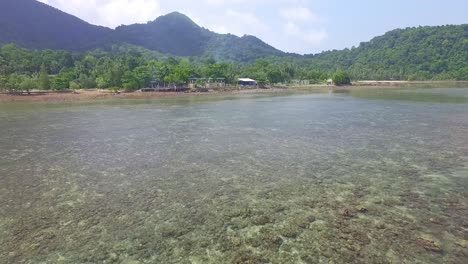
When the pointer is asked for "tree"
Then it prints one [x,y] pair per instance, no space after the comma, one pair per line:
[129,81]
[179,74]
[142,76]
[43,79]
[3,82]
[275,75]
[14,82]
[341,78]
[28,84]
[87,82]
[60,82]
[101,82]
[63,79]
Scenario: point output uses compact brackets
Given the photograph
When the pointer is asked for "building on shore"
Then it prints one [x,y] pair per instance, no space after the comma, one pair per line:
[246,82]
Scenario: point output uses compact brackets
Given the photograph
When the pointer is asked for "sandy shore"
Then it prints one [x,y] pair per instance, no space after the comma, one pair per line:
[92,95]
[96,95]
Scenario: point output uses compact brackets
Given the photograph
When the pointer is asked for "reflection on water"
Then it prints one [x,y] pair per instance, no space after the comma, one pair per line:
[293,179]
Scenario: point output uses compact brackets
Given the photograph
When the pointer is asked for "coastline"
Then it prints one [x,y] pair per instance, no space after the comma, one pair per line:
[98,95]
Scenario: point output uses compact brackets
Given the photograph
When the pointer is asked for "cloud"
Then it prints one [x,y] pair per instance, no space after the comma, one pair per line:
[240,23]
[315,37]
[247,19]
[128,11]
[310,36]
[110,13]
[298,14]
[301,23]
[292,29]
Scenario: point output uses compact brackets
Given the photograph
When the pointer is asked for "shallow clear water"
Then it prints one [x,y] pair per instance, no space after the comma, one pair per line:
[310,178]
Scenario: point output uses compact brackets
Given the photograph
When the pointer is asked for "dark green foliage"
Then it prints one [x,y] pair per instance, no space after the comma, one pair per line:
[3,82]
[43,79]
[32,24]
[441,53]
[421,53]
[173,34]
[142,76]
[14,81]
[129,81]
[28,84]
[60,82]
[177,34]
[341,78]
[180,73]
[86,81]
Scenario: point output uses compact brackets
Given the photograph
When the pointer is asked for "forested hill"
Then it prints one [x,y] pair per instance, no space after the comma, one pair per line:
[439,52]
[420,53]
[34,25]
[177,34]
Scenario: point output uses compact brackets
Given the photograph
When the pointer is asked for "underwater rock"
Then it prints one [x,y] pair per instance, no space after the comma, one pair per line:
[261,220]
[430,245]
[347,213]
[309,203]
[465,223]
[362,210]
[310,259]
[270,239]
[248,257]
[462,243]
[169,230]
[280,209]
[302,222]
[379,225]
[236,212]
[234,241]
[290,231]
[273,240]
[311,218]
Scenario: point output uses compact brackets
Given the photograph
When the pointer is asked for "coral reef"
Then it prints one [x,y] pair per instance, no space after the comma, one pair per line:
[298,179]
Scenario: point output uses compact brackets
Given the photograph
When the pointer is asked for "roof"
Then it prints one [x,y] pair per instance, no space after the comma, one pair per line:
[245,80]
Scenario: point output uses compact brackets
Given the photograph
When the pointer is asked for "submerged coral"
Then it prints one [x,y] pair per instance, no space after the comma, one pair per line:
[301,179]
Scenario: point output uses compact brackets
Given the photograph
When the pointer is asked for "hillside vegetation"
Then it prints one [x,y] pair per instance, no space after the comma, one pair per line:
[421,53]
[173,48]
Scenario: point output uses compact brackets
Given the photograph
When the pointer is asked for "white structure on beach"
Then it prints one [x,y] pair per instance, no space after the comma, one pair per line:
[246,82]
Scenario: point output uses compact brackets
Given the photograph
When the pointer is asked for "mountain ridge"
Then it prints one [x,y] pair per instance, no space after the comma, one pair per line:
[36,25]
[414,52]
[33,31]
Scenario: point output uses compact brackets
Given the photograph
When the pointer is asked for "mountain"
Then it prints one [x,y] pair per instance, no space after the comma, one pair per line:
[177,34]
[419,53]
[35,25]
[174,33]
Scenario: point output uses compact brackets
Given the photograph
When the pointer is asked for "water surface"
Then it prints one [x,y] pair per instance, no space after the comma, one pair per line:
[364,177]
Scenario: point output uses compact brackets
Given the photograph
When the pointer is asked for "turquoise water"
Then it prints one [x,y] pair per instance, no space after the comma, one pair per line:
[363,177]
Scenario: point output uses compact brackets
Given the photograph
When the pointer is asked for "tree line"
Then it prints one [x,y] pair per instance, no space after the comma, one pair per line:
[23,69]
[428,53]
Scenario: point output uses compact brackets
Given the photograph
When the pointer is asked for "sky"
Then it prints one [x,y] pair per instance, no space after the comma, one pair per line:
[300,26]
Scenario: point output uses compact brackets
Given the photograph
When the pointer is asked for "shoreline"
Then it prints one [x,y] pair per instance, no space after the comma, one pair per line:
[100,95]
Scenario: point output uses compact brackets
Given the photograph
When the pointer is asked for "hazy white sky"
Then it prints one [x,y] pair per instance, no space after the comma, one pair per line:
[302,26]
